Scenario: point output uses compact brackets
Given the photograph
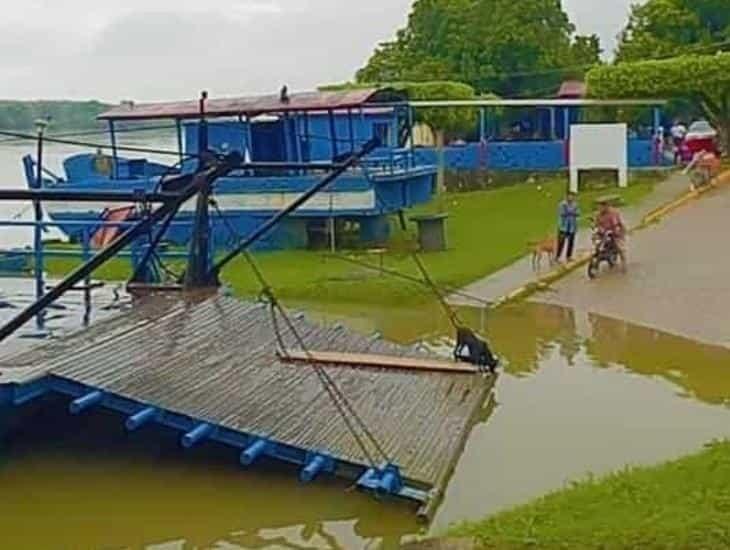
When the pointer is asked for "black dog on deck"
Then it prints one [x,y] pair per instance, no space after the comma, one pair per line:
[474,350]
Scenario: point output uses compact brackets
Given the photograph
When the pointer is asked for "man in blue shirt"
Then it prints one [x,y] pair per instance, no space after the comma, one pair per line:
[568,214]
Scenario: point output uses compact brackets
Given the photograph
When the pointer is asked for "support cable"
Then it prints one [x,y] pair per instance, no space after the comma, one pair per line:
[338,398]
[85,133]
[427,279]
[400,275]
[91,145]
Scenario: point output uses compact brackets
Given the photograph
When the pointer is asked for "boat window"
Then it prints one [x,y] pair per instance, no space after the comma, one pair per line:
[381,130]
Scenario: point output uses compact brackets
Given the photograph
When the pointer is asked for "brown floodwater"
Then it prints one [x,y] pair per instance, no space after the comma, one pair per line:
[580,394]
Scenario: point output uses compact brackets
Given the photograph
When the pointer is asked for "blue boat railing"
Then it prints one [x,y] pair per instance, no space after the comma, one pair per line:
[389,161]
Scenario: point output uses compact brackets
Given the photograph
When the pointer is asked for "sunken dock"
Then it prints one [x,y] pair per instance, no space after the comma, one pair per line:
[211,366]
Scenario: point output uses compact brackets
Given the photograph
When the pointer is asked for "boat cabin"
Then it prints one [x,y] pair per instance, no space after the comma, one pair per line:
[297,138]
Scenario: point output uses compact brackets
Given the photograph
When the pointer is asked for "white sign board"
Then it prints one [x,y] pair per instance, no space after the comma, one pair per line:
[599,147]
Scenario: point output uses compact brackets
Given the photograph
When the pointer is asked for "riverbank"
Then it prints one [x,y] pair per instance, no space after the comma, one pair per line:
[681,504]
[64,115]
[486,230]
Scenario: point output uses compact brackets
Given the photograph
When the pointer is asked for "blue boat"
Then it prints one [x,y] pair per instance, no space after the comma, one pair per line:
[13,261]
[289,140]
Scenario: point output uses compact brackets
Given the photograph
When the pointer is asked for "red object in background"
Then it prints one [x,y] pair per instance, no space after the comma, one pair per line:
[691,147]
[106,234]
[697,145]
[701,138]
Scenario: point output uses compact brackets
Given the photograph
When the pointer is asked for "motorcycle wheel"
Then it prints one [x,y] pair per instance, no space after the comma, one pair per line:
[593,266]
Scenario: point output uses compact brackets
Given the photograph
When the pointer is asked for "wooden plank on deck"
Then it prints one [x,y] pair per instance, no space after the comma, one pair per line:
[367,360]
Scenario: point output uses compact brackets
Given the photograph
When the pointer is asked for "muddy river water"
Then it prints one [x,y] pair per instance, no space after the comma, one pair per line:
[579,394]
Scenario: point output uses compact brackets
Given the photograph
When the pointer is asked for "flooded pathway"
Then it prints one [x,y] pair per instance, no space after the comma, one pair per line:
[581,393]
[678,279]
[496,286]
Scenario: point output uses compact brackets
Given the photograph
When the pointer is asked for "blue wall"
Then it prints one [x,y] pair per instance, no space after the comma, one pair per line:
[524,155]
[363,129]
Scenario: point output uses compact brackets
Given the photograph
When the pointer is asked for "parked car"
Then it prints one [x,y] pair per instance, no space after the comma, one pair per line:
[701,137]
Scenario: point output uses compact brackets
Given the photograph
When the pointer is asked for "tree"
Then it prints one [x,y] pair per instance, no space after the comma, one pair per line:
[513,48]
[702,79]
[665,28]
[714,14]
[443,121]
[21,115]
[457,120]
[586,50]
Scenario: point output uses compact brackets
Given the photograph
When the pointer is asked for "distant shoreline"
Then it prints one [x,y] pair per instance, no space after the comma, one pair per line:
[21,116]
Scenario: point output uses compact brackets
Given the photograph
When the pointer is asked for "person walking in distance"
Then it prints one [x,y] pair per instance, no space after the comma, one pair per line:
[568,214]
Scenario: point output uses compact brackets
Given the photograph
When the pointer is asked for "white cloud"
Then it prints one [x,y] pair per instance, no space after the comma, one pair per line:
[169,49]
[605,18]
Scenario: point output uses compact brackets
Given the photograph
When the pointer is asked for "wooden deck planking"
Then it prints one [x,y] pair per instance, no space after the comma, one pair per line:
[216,360]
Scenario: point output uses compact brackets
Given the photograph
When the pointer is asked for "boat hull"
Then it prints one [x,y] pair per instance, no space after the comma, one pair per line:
[243,204]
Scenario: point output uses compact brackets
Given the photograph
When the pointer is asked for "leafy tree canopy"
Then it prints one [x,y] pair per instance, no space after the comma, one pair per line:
[514,48]
[701,79]
[664,28]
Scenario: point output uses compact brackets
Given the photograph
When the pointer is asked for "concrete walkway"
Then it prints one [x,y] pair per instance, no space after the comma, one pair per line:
[678,279]
[496,286]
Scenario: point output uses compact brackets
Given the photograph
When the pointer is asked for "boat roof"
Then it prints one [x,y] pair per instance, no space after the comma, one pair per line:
[253,106]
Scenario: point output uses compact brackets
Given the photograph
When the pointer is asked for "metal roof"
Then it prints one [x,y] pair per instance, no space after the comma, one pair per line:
[249,106]
[541,103]
[573,89]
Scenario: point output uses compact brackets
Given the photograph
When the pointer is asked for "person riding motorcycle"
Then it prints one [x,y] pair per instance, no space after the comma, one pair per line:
[609,221]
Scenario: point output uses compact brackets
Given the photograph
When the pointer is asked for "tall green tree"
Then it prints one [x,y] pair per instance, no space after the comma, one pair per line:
[512,48]
[664,28]
[703,80]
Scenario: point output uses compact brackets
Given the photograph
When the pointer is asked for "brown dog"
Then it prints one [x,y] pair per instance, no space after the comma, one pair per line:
[547,247]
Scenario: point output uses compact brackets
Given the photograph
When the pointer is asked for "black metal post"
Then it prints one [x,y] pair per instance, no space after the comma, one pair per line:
[84,196]
[202,127]
[38,229]
[351,130]
[199,254]
[197,272]
[180,146]
[115,151]
[201,181]
[333,134]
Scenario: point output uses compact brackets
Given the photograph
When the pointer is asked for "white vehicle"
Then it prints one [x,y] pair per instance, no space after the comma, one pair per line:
[701,129]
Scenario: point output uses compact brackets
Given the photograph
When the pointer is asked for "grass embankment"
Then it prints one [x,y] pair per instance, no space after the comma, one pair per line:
[682,504]
[486,230]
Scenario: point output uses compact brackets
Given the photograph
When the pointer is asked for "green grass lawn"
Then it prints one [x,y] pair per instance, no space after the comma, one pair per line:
[487,230]
[682,504]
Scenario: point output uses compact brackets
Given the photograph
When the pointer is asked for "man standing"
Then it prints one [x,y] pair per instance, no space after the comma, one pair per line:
[679,132]
[568,214]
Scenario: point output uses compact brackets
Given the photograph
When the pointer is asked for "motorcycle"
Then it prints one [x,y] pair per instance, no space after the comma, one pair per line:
[605,250]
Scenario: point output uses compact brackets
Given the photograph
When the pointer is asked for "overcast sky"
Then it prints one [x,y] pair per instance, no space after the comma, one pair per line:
[171,49]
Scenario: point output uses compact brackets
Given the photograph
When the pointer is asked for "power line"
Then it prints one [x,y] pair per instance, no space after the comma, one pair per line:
[84,133]
[345,409]
[689,49]
[91,145]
